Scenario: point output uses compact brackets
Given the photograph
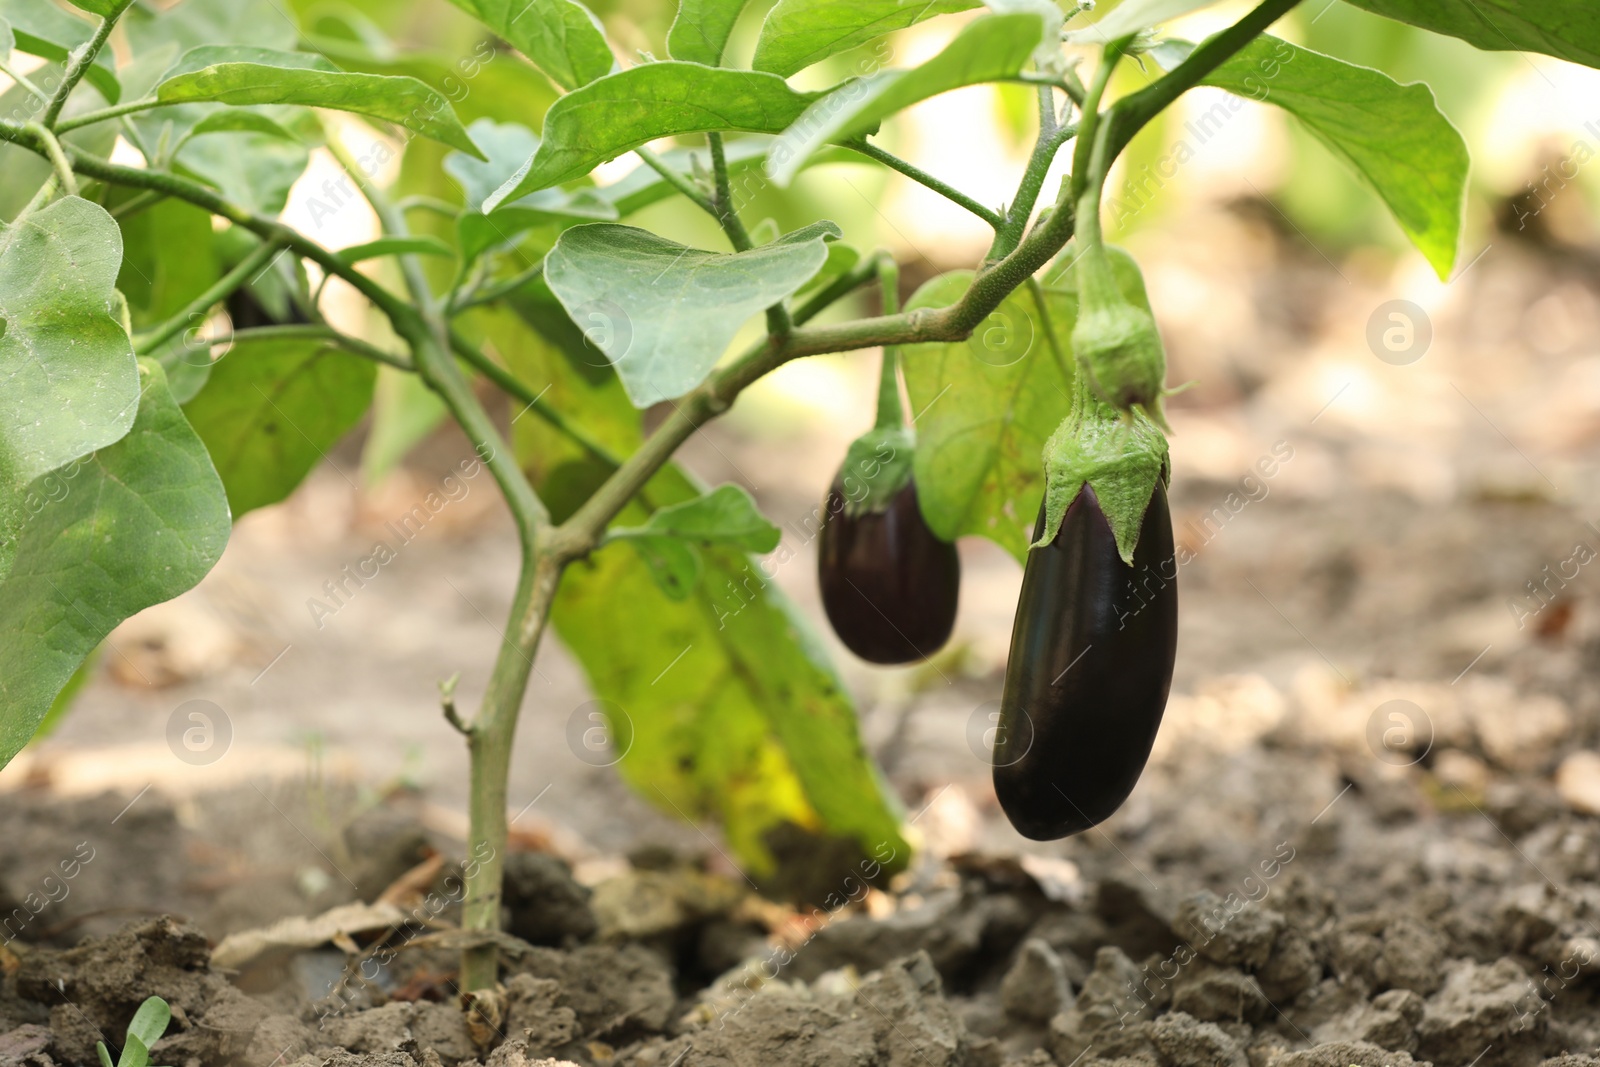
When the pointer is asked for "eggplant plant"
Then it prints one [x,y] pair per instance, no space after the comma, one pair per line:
[148,155]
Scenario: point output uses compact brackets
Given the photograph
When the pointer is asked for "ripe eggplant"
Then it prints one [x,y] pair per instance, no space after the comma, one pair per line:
[889,585]
[1091,661]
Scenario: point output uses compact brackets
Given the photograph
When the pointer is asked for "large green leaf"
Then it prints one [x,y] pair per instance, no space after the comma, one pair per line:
[984,409]
[42,29]
[991,48]
[798,33]
[141,521]
[700,30]
[262,23]
[273,408]
[562,37]
[240,75]
[168,260]
[732,710]
[1394,135]
[664,313]
[68,380]
[622,111]
[1567,29]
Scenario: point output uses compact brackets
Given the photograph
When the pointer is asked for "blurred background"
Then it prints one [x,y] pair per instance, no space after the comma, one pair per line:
[1427,486]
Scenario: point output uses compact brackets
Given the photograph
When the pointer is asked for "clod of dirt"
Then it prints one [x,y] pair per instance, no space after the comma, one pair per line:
[1213,993]
[1036,987]
[1343,1054]
[1482,1005]
[94,989]
[615,992]
[1183,1041]
[656,901]
[896,1018]
[1390,1021]
[535,1016]
[26,1047]
[1235,931]
[947,926]
[1138,916]
[547,907]
[1108,1016]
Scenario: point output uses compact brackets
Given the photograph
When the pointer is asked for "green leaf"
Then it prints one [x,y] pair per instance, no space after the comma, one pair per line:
[622,111]
[105,1057]
[8,41]
[150,1021]
[254,170]
[731,711]
[664,313]
[44,30]
[798,33]
[1393,135]
[240,76]
[1566,29]
[103,8]
[143,520]
[506,146]
[421,245]
[701,28]
[261,23]
[239,120]
[668,542]
[69,383]
[991,48]
[135,1053]
[562,37]
[1131,16]
[272,409]
[986,406]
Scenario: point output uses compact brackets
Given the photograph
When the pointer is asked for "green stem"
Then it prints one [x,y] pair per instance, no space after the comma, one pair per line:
[21,79]
[78,64]
[1089,124]
[201,305]
[135,204]
[493,729]
[890,412]
[922,177]
[104,114]
[676,180]
[1048,327]
[57,157]
[1133,112]
[727,213]
[311,332]
[1051,138]
[428,203]
[519,390]
[488,294]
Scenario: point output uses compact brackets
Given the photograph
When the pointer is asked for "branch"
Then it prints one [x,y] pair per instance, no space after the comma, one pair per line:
[78,65]
[778,322]
[488,294]
[676,180]
[310,332]
[1051,138]
[1130,114]
[57,157]
[922,177]
[145,343]
[89,118]
[429,339]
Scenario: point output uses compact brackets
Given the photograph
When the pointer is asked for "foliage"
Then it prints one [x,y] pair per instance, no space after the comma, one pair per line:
[134,427]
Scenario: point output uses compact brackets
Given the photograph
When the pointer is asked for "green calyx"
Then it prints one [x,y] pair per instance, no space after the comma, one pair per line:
[876,467]
[1116,340]
[1120,458]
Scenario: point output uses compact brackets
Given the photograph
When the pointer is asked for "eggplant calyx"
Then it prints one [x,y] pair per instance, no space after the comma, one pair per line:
[876,467]
[1121,459]
[1116,339]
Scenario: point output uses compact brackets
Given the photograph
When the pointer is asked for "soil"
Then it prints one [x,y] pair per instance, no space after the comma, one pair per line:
[1368,834]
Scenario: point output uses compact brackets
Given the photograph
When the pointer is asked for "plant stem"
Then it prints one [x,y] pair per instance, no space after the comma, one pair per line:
[312,332]
[1132,112]
[1047,326]
[516,388]
[917,174]
[676,180]
[89,118]
[259,257]
[135,204]
[78,64]
[21,79]
[890,413]
[1051,138]
[727,212]
[57,157]
[490,293]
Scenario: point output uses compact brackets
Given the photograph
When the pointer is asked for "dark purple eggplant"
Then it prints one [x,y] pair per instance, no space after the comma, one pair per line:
[1091,662]
[889,585]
